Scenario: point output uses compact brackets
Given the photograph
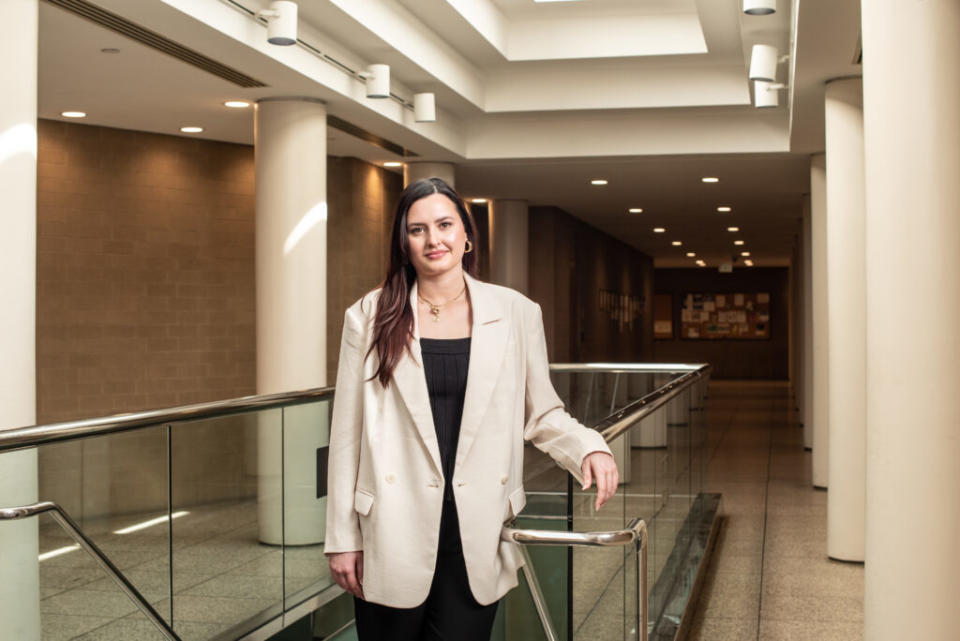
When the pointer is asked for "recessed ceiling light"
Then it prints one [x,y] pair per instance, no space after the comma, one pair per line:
[748,263]
[744,253]
[191,130]
[598,181]
[73,114]
[676,243]
[110,50]
[733,229]
[236,104]
[478,200]
[636,210]
[738,242]
[659,230]
[393,163]
[710,179]
[691,254]
[701,263]
[723,208]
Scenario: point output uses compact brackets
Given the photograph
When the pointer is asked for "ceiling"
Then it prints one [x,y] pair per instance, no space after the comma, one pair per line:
[535,99]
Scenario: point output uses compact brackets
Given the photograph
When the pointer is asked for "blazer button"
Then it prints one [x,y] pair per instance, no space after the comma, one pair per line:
[390,478]
[461,483]
[434,483]
[503,480]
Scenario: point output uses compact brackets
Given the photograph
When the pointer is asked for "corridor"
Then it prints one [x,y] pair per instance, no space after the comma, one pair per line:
[770,578]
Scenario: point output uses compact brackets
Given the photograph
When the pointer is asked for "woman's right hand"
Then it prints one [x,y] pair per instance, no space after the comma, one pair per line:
[346,568]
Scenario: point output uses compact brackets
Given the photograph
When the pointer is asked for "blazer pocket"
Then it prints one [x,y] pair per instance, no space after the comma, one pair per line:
[362,502]
[518,499]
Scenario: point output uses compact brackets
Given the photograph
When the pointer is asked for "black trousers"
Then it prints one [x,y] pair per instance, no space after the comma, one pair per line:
[450,612]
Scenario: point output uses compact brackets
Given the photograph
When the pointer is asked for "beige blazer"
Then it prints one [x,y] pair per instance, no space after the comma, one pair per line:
[385,486]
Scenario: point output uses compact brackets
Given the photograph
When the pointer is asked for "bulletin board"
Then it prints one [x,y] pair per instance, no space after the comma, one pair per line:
[719,316]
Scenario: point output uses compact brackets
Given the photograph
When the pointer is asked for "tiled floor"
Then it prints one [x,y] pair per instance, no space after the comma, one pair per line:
[223,578]
[770,578]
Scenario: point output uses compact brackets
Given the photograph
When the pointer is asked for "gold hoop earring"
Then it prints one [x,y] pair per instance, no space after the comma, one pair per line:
[469,247]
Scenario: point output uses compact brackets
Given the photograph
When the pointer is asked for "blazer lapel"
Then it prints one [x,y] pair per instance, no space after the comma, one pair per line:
[487,346]
[411,383]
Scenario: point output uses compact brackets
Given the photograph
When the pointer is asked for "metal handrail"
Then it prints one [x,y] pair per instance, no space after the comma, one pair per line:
[25,437]
[635,532]
[627,416]
[68,524]
[32,436]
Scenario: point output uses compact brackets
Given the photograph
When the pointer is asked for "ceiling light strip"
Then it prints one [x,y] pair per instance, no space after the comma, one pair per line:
[156,41]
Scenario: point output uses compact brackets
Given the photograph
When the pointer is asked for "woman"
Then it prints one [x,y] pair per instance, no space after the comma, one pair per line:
[441,379]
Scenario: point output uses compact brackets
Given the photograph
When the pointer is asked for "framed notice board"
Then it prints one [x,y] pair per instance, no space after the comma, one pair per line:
[719,316]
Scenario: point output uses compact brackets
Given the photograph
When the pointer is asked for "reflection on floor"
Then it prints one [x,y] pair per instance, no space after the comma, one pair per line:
[222,578]
[770,578]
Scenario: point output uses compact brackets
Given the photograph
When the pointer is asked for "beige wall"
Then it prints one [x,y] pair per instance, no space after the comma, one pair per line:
[145,299]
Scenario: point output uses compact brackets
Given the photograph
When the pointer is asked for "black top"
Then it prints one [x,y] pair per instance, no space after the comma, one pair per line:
[445,362]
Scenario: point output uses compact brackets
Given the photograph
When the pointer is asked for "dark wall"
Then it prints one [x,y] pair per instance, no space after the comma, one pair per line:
[570,263]
[731,358]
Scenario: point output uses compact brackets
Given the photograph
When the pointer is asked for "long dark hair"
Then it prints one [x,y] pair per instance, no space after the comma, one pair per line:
[393,322]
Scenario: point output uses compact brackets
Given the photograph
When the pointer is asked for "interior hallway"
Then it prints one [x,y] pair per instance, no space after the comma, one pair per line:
[770,578]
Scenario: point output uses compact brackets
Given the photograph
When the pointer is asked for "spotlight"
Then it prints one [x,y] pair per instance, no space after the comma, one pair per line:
[766,94]
[393,163]
[598,181]
[691,254]
[733,229]
[191,130]
[425,107]
[236,104]
[710,179]
[759,7]
[378,81]
[724,209]
[659,230]
[73,114]
[281,20]
[748,263]
[676,243]
[478,200]
[636,210]
[763,63]
[738,242]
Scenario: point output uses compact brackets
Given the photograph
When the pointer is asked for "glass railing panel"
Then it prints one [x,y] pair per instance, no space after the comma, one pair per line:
[306,435]
[115,489]
[77,598]
[226,488]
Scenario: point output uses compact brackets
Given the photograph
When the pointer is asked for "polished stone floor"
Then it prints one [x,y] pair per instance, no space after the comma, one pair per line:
[224,579]
[770,578]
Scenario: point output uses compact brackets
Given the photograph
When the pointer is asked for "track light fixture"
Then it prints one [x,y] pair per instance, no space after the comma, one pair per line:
[759,7]
[425,107]
[763,63]
[281,20]
[767,94]
[377,78]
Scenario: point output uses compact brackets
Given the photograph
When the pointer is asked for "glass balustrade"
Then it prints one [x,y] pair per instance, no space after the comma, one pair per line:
[218,521]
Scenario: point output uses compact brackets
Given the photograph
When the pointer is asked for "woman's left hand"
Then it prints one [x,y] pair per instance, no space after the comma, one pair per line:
[601,467]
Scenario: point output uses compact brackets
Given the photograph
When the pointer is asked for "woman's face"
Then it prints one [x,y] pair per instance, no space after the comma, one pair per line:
[436,235]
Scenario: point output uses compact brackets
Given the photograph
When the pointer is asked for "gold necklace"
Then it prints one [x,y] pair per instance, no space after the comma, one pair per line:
[435,309]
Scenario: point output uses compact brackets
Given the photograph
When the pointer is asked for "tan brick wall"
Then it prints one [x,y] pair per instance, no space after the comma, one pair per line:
[360,199]
[145,299]
[145,292]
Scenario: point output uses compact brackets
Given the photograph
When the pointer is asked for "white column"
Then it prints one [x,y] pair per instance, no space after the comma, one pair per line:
[19,586]
[821,357]
[807,328]
[414,171]
[291,277]
[847,324]
[510,244]
[912,150]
